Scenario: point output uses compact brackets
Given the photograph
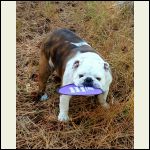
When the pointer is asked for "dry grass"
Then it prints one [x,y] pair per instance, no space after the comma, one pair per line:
[108,29]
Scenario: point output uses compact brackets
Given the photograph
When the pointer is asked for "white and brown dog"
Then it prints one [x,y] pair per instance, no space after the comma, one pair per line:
[76,62]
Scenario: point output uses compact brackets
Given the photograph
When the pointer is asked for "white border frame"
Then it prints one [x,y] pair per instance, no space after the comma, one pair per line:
[141,76]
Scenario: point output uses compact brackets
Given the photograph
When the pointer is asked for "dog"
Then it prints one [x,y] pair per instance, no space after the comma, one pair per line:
[74,61]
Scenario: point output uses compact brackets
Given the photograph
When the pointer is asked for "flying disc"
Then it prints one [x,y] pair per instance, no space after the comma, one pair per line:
[72,89]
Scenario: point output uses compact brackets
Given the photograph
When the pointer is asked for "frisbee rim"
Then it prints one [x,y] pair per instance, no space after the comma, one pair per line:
[76,86]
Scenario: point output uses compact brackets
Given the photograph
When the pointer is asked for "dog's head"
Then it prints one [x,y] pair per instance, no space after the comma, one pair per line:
[91,72]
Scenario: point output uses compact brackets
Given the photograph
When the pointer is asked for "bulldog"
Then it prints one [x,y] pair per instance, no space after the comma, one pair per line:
[74,61]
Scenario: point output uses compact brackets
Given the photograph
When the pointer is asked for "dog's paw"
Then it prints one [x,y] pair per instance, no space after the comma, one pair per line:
[63,117]
[106,105]
[37,96]
[44,97]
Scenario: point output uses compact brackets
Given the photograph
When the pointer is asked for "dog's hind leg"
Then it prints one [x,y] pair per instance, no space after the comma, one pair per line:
[45,69]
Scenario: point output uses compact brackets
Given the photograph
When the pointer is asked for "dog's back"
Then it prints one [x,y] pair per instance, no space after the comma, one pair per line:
[62,45]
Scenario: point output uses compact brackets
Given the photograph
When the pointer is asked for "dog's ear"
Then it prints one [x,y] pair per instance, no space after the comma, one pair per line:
[76,64]
[106,66]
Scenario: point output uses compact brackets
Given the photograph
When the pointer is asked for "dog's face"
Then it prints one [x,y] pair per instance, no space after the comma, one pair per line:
[91,73]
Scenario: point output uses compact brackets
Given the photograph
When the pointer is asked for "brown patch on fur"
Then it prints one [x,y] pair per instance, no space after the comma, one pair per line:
[44,72]
[58,47]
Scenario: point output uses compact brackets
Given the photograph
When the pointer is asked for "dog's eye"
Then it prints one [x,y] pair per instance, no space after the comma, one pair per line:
[98,78]
[81,75]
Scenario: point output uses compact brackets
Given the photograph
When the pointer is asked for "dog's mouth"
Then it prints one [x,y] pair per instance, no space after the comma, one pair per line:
[88,84]
[84,84]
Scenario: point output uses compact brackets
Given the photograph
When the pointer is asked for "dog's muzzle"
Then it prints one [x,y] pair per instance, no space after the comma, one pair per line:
[88,82]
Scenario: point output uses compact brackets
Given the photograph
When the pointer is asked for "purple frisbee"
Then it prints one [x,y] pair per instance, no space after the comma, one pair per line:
[72,89]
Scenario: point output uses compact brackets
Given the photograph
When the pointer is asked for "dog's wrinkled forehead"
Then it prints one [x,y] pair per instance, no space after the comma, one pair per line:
[91,68]
[90,64]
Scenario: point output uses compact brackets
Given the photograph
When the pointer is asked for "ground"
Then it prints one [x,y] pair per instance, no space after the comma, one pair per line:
[107,28]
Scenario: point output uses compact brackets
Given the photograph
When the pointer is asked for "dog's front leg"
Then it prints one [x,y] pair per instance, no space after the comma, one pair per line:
[64,108]
[102,99]
[64,99]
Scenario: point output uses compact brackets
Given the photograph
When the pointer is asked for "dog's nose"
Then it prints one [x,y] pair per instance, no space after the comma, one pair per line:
[88,80]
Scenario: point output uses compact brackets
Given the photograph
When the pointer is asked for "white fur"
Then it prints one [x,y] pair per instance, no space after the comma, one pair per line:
[91,65]
[51,63]
[64,107]
[80,43]
[44,97]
